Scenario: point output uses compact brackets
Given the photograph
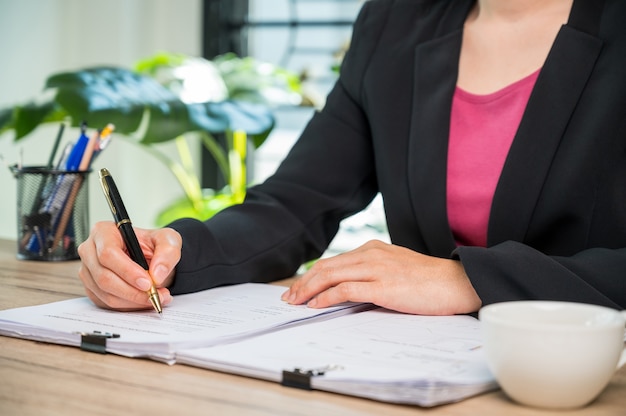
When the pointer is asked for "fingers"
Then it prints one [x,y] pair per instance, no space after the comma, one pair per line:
[343,292]
[110,252]
[113,280]
[326,275]
[107,300]
[167,245]
[333,274]
[104,287]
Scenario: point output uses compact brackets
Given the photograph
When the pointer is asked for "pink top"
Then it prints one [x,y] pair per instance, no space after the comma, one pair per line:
[482,128]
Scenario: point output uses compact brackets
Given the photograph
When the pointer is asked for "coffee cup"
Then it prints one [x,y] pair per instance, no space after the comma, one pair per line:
[552,354]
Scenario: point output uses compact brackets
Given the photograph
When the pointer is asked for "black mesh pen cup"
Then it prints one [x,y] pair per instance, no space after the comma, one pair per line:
[52,213]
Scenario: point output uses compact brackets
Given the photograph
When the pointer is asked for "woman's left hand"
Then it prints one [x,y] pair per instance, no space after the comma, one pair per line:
[390,276]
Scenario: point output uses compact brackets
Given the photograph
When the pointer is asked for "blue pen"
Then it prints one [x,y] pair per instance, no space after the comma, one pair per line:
[73,161]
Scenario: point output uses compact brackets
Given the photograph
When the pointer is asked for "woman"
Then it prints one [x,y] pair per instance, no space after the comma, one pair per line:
[495,131]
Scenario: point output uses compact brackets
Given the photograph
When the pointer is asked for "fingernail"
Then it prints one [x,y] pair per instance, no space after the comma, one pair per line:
[160,273]
[143,284]
[285,295]
[312,303]
[292,298]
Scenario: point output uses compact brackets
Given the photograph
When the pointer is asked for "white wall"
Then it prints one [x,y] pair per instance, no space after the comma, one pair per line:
[40,37]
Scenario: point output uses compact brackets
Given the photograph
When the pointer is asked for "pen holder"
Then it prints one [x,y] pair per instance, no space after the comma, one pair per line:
[52,213]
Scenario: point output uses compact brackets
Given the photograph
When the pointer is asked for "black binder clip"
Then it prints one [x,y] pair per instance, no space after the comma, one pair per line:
[95,341]
[301,379]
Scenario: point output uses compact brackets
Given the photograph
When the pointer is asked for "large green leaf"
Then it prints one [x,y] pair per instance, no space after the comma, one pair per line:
[23,119]
[6,119]
[28,116]
[105,95]
[233,115]
[137,105]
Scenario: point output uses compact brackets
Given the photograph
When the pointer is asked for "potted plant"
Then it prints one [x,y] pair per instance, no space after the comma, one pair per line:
[171,97]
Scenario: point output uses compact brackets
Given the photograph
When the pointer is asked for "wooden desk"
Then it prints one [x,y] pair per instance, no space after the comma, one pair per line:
[45,379]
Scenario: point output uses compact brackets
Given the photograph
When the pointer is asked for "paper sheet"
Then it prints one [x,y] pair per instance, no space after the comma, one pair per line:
[199,319]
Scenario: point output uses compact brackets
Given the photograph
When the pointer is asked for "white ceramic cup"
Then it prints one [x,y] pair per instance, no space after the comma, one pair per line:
[552,354]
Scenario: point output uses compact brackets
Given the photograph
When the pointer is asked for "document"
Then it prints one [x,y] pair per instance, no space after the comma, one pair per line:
[201,319]
[377,354]
[354,349]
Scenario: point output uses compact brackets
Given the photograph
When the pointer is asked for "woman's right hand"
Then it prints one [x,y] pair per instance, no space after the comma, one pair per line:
[113,280]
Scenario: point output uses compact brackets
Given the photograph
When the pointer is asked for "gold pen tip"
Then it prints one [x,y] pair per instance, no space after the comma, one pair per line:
[156,302]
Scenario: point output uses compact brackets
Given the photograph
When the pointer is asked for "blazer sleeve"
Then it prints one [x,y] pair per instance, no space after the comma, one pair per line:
[515,271]
[292,217]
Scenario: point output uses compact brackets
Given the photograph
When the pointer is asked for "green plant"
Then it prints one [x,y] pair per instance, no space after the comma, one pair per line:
[171,97]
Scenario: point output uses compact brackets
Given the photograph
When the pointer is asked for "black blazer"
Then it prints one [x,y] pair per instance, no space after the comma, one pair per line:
[557,228]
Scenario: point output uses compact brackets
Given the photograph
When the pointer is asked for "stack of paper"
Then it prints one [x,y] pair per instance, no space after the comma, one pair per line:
[378,354]
[351,348]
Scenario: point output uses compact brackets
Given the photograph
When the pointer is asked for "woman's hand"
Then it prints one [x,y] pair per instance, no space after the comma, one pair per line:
[389,276]
[112,280]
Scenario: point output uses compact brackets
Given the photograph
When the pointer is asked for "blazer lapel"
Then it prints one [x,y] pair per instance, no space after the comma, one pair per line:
[551,104]
[436,64]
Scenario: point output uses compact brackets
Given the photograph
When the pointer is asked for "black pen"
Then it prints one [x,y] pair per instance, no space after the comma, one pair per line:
[126,229]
